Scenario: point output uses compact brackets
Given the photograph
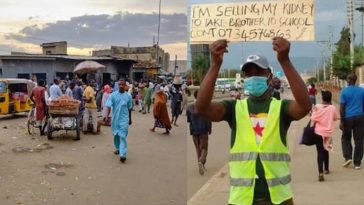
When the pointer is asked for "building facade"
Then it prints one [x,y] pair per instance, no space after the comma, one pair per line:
[48,67]
[149,60]
[178,67]
[199,49]
[54,62]
[54,48]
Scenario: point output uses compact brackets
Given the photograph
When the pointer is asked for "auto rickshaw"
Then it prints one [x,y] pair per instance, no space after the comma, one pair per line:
[14,95]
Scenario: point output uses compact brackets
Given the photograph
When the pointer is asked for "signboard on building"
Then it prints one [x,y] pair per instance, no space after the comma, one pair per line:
[252,21]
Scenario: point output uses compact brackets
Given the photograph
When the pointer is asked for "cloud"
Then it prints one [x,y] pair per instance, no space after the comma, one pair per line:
[102,31]
[4,49]
[167,6]
[7,46]
[179,49]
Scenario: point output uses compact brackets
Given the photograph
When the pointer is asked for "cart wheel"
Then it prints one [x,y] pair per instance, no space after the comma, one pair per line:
[77,134]
[30,122]
[77,129]
[49,130]
[30,127]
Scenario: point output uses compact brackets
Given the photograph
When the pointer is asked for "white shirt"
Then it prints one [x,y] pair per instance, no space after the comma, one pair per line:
[69,92]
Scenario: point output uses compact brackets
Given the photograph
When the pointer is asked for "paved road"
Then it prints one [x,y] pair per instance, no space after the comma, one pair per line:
[341,186]
[35,171]
[218,154]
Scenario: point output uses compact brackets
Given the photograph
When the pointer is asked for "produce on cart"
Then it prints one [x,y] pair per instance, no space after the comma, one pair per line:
[63,115]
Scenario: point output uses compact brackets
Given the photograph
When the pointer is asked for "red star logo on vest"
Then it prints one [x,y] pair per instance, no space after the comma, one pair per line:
[258,130]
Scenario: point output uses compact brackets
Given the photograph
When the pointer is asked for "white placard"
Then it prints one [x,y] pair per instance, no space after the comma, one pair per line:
[253,21]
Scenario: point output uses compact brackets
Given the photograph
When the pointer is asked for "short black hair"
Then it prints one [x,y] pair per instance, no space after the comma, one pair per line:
[41,82]
[326,96]
[89,81]
[351,77]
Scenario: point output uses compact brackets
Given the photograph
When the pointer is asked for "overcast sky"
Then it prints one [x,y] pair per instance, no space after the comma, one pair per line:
[329,14]
[92,24]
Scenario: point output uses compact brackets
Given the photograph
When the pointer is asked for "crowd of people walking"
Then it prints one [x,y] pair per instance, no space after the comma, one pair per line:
[114,104]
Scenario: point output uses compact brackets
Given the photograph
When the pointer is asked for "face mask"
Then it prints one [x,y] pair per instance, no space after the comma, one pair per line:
[256,85]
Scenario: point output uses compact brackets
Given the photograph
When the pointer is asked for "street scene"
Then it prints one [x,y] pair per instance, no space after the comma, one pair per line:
[63,171]
[198,102]
[213,186]
[93,97]
[293,134]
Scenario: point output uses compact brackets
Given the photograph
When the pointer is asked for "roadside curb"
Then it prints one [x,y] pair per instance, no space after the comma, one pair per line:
[211,189]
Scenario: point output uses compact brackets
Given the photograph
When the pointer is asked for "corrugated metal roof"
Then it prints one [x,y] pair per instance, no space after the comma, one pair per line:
[54,57]
[28,57]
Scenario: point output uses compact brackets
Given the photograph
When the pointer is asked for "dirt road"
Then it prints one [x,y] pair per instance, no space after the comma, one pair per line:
[37,171]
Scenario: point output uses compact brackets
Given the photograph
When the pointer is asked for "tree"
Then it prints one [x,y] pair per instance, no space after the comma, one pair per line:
[359,56]
[341,65]
[343,45]
[200,66]
[341,57]
[311,80]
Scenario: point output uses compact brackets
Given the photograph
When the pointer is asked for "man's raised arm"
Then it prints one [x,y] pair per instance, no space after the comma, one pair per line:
[302,105]
[204,106]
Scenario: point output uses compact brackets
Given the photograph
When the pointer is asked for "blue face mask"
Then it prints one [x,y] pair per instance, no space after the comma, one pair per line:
[256,85]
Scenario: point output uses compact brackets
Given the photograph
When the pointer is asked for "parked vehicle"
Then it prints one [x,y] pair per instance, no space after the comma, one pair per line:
[14,95]
[222,84]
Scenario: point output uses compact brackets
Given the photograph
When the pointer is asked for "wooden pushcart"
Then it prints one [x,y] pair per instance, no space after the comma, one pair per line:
[64,117]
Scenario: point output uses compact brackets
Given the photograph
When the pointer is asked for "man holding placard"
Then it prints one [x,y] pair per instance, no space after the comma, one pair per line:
[259,158]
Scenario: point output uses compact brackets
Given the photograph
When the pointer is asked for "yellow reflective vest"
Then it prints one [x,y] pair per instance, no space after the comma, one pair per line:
[272,152]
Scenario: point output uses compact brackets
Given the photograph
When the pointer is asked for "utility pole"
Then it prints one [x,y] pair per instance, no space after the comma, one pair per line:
[351,27]
[323,57]
[324,66]
[361,10]
[317,70]
[159,25]
[175,66]
[331,53]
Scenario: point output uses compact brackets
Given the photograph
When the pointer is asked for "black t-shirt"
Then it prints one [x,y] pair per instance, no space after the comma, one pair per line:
[258,111]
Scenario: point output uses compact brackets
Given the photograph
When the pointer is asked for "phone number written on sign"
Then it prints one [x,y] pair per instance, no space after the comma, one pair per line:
[242,34]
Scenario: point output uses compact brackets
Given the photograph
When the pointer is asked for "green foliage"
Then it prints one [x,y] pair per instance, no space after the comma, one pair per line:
[341,58]
[341,65]
[311,80]
[359,56]
[200,66]
[343,45]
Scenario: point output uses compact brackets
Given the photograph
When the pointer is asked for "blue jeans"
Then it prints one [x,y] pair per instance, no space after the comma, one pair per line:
[121,144]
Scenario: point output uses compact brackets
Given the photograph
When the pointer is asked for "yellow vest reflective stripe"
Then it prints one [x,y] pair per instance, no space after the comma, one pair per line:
[245,156]
[270,182]
[272,152]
